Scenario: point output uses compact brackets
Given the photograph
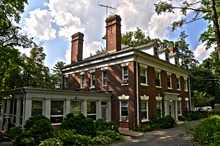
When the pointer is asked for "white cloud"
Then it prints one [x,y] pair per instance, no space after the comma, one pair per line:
[65,18]
[202,53]
[39,25]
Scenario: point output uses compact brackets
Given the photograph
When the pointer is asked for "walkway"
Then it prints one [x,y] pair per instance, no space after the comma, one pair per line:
[168,137]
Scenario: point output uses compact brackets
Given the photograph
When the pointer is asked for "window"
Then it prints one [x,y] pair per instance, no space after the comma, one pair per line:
[91,110]
[57,112]
[158,79]
[186,85]
[124,110]
[76,107]
[159,108]
[178,83]
[179,106]
[104,78]
[36,108]
[143,75]
[144,110]
[65,78]
[125,74]
[104,110]
[92,80]
[169,81]
[82,80]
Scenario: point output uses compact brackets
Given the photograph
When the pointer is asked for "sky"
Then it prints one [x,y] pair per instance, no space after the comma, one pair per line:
[52,22]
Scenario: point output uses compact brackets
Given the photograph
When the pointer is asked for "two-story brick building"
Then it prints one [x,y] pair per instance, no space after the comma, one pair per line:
[144,81]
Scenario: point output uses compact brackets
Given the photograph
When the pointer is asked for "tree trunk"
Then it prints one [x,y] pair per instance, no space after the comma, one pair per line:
[216,26]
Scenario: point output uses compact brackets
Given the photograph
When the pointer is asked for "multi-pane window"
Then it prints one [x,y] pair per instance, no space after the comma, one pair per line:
[91,109]
[92,80]
[82,81]
[143,75]
[158,79]
[104,78]
[124,110]
[169,81]
[76,107]
[178,83]
[144,110]
[37,108]
[124,74]
[57,112]
[186,85]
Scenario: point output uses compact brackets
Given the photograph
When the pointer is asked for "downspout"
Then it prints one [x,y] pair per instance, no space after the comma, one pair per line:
[137,94]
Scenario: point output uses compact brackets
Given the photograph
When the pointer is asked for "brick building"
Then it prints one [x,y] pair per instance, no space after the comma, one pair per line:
[144,82]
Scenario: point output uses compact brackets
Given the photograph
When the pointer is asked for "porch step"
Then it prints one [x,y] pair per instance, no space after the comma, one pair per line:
[133,134]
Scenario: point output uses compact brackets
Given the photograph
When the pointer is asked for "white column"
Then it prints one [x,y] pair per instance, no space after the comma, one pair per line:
[18,112]
[176,110]
[98,110]
[84,108]
[67,107]
[47,106]
[109,111]
[28,108]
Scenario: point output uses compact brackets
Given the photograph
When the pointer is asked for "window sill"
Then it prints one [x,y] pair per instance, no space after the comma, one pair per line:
[169,88]
[56,124]
[144,84]
[158,87]
[145,120]
[124,84]
[92,87]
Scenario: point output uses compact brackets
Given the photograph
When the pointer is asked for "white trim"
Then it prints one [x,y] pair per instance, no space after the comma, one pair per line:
[82,73]
[121,117]
[123,74]
[123,97]
[104,68]
[179,99]
[92,71]
[186,99]
[147,108]
[137,93]
[124,64]
[144,97]
[158,98]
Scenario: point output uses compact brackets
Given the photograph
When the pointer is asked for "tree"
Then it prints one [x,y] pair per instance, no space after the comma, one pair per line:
[57,74]
[208,10]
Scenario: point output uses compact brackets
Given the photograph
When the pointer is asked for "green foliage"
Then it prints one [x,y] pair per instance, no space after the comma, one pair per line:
[81,124]
[101,140]
[101,125]
[51,142]
[207,132]
[166,122]
[201,99]
[14,132]
[76,139]
[111,134]
[39,128]
[57,74]
[144,127]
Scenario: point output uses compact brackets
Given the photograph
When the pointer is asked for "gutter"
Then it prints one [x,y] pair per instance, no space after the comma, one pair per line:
[137,93]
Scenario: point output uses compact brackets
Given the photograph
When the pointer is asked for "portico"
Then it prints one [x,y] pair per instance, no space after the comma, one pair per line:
[19,105]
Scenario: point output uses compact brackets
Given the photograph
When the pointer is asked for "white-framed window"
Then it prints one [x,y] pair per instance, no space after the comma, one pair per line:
[82,80]
[125,74]
[178,83]
[187,104]
[143,75]
[124,110]
[144,109]
[92,80]
[65,81]
[37,108]
[158,79]
[56,112]
[169,81]
[159,107]
[76,106]
[91,109]
[104,78]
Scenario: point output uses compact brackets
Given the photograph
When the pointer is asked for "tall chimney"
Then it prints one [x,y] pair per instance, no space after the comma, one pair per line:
[77,47]
[113,33]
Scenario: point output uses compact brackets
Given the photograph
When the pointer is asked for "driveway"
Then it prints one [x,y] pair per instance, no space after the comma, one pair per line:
[168,137]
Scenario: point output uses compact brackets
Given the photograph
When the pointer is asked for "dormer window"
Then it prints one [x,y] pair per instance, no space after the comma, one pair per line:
[158,79]
[82,80]
[125,74]
[92,80]
[143,75]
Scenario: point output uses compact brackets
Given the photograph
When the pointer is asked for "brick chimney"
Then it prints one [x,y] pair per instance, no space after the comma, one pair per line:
[77,47]
[113,33]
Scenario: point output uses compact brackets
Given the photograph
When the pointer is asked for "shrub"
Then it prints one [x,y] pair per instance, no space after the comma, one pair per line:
[14,132]
[101,140]
[77,139]
[51,142]
[101,124]
[111,134]
[82,125]
[166,122]
[62,133]
[24,139]
[144,127]
[207,131]
[39,128]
